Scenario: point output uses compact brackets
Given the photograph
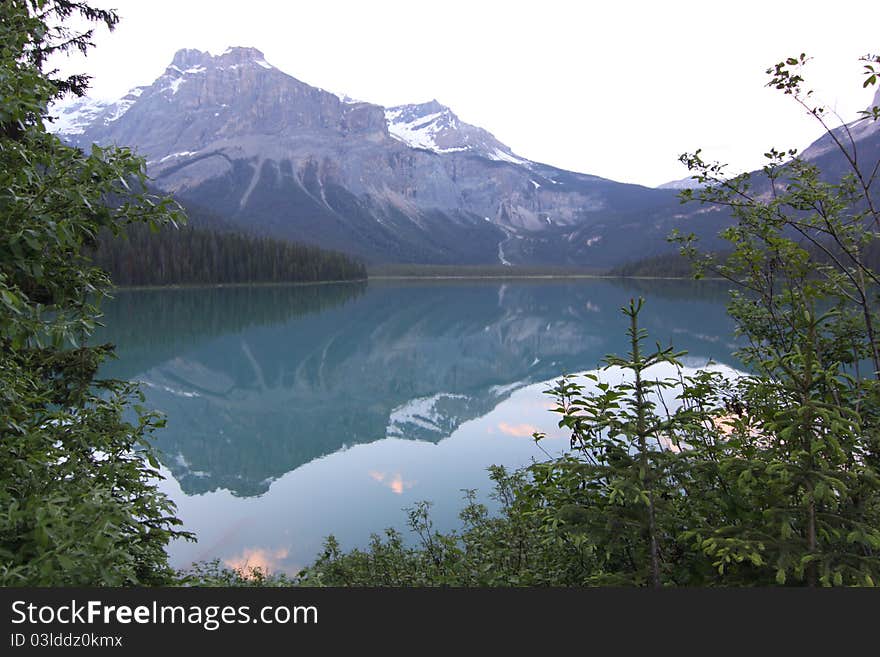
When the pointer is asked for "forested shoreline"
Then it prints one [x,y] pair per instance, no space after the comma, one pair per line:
[201,256]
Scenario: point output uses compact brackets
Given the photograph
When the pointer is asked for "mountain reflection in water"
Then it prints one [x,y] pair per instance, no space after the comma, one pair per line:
[259,382]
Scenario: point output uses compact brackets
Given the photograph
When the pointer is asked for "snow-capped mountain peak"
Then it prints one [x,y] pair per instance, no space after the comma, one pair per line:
[189,67]
[72,116]
[189,63]
[193,76]
[426,125]
[191,58]
[433,126]
[242,56]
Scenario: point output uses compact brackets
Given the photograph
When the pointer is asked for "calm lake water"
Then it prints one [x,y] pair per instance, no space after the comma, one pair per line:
[296,412]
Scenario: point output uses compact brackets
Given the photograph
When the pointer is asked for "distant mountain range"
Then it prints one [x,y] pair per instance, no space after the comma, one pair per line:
[272,155]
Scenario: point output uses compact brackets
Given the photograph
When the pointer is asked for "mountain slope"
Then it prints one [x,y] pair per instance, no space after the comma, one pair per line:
[861,130]
[836,155]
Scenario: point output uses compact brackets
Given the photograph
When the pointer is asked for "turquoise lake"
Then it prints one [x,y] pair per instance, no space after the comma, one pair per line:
[294,412]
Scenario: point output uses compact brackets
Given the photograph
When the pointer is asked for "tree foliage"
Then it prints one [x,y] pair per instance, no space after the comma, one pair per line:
[77,477]
[806,299]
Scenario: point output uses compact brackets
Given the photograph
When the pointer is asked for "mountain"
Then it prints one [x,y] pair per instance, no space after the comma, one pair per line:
[835,154]
[270,154]
[242,139]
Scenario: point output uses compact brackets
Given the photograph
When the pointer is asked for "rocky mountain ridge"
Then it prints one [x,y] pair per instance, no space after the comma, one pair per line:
[273,155]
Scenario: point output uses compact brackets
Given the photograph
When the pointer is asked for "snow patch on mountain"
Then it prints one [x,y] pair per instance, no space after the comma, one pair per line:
[176,155]
[174,85]
[118,109]
[418,131]
[434,127]
[501,156]
[72,117]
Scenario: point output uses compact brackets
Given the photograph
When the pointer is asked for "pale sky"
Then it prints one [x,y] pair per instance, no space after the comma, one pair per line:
[616,89]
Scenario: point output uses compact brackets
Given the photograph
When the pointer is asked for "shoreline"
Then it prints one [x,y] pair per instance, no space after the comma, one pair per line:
[411,277]
[212,286]
[539,276]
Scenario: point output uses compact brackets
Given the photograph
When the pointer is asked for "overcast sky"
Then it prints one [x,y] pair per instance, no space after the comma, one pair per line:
[616,89]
